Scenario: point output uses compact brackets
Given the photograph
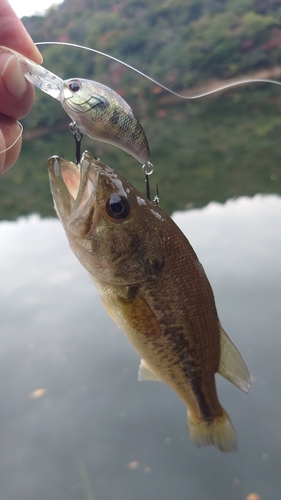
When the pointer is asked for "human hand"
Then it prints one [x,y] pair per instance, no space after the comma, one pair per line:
[17,94]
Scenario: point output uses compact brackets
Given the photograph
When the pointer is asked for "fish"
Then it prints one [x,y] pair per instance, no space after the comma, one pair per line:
[154,287]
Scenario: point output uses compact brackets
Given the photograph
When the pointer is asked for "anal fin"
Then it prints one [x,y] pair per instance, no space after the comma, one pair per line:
[145,372]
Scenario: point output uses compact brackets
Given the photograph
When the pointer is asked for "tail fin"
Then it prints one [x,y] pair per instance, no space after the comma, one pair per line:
[218,432]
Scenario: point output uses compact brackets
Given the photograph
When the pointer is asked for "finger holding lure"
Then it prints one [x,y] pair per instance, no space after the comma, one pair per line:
[97,110]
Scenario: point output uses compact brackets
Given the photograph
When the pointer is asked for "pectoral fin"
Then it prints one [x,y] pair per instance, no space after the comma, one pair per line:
[231,365]
[145,373]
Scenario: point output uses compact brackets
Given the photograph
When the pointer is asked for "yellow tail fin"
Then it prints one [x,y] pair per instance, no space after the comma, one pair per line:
[219,432]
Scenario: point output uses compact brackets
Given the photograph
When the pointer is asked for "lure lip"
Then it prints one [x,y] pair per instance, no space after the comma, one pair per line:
[41,77]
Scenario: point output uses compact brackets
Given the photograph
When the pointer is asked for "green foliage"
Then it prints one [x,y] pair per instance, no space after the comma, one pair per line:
[239,7]
[256,25]
[210,149]
[178,42]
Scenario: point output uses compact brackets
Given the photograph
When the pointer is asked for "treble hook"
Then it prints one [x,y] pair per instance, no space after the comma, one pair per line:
[147,173]
[74,129]
[156,198]
[147,188]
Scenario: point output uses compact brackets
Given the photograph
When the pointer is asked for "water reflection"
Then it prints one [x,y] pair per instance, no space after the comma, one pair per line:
[74,421]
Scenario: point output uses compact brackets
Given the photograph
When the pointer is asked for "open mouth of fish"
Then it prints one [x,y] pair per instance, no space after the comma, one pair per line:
[80,192]
[95,204]
[73,186]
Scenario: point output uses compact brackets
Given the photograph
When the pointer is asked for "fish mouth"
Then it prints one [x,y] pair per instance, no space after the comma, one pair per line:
[73,188]
[71,177]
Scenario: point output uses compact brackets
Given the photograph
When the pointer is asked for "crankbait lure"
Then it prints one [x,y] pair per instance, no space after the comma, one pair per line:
[95,109]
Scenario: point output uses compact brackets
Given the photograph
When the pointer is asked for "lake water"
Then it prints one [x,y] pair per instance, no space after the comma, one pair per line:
[75,424]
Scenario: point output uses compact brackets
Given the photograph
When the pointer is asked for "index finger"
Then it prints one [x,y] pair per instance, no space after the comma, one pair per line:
[14,35]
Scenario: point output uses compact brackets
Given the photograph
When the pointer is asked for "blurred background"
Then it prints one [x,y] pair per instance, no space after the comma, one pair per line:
[74,421]
[218,147]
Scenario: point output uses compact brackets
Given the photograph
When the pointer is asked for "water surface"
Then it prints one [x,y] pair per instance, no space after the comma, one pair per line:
[74,421]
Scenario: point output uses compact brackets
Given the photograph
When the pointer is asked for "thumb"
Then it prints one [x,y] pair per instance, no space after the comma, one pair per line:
[10,135]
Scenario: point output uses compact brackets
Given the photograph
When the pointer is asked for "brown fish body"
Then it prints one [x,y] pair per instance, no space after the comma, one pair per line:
[172,321]
[154,287]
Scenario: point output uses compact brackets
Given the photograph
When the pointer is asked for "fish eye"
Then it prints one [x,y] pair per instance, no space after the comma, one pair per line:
[74,86]
[117,207]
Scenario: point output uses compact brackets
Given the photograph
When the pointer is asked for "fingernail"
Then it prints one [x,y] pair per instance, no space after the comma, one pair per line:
[38,54]
[13,77]
[35,53]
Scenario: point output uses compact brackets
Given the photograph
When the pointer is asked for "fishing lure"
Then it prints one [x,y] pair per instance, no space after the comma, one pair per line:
[96,109]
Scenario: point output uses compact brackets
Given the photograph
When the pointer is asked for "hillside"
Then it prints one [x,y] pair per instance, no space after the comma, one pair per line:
[217,147]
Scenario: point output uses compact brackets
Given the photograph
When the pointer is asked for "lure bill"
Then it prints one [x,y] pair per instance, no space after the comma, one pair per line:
[154,287]
[97,110]
[40,77]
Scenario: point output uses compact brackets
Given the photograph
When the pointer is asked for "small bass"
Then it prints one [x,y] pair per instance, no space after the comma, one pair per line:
[153,286]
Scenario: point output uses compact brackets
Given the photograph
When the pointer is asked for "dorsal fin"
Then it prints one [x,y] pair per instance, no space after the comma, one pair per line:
[231,365]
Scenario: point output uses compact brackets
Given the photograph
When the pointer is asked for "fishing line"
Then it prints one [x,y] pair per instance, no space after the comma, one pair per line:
[182,96]
[178,94]
[16,140]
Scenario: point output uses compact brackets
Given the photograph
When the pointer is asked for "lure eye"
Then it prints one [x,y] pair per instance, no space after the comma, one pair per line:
[117,207]
[74,86]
